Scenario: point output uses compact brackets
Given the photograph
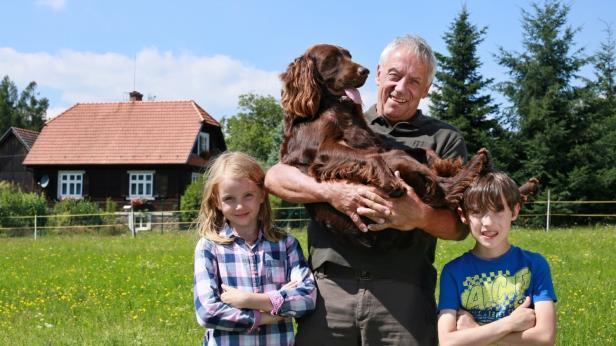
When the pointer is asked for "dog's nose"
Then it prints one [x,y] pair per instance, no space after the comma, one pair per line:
[363,71]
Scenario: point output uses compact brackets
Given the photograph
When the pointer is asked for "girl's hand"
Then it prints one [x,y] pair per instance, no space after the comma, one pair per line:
[289,285]
[234,297]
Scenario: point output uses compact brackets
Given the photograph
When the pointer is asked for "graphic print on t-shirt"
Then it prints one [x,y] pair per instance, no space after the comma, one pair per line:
[491,296]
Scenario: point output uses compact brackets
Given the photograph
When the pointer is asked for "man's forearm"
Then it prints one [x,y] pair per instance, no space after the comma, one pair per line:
[444,224]
[290,184]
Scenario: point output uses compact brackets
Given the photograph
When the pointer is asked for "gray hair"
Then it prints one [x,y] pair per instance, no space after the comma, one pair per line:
[416,45]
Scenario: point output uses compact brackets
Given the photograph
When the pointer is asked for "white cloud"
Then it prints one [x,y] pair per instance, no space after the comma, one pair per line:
[214,82]
[54,4]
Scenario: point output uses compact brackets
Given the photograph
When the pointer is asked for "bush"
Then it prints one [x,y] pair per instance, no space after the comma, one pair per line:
[190,203]
[15,203]
[66,216]
[113,226]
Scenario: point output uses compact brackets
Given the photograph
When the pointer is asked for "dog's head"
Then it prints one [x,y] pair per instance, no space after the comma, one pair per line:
[322,70]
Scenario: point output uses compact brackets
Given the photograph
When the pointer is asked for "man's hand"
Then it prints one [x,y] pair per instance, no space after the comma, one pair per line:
[234,297]
[465,320]
[523,317]
[405,213]
[351,198]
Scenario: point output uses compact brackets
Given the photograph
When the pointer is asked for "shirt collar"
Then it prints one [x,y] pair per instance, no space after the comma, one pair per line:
[416,121]
[227,231]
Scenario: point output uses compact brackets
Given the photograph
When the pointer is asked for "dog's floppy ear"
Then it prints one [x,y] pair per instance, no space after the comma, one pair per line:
[300,92]
[529,189]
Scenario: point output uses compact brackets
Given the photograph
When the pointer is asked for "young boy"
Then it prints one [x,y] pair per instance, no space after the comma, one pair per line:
[496,292]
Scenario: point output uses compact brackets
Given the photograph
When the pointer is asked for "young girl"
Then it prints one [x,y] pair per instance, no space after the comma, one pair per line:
[250,278]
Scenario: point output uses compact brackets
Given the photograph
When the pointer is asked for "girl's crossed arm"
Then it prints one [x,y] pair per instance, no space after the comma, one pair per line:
[294,299]
[211,311]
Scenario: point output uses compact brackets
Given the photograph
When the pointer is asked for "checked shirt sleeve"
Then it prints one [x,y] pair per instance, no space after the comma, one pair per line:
[300,300]
[210,310]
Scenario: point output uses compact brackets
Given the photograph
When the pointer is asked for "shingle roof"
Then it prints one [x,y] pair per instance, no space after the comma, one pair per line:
[25,136]
[137,132]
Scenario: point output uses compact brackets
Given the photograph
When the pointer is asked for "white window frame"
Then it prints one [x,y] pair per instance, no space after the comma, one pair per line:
[203,142]
[141,180]
[140,221]
[143,221]
[74,180]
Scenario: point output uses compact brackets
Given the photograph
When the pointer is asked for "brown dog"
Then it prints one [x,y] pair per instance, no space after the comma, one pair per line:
[327,137]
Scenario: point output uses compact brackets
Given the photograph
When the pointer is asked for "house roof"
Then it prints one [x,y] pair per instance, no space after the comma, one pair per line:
[136,132]
[25,136]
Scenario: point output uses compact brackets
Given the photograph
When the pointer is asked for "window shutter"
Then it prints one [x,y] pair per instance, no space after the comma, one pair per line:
[86,185]
[124,184]
[161,182]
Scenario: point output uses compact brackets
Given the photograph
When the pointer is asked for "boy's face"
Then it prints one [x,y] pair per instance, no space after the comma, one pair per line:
[491,228]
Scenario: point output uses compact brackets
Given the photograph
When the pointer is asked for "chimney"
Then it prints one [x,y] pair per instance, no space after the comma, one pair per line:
[135,96]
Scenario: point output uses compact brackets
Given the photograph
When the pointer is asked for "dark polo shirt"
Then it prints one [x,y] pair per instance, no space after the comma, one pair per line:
[414,262]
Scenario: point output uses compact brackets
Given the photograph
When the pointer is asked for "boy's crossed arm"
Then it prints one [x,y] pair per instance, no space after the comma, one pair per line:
[524,326]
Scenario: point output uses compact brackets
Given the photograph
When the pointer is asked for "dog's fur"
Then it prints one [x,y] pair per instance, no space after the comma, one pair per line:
[327,137]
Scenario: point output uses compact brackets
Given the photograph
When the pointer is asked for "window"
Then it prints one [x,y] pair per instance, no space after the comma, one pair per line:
[143,222]
[141,184]
[194,177]
[140,222]
[70,184]
[203,142]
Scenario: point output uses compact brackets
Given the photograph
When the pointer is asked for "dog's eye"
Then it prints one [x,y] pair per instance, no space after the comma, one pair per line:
[330,62]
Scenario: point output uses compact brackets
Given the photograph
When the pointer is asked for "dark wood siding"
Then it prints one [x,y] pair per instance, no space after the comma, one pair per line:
[12,154]
[102,182]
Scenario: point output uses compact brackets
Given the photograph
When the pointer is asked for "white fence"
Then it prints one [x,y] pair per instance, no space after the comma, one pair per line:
[161,221]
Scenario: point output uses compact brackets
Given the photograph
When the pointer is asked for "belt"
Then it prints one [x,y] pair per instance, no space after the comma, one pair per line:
[338,271]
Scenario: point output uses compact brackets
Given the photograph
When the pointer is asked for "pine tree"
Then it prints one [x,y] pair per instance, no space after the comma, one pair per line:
[543,98]
[25,110]
[457,98]
[594,175]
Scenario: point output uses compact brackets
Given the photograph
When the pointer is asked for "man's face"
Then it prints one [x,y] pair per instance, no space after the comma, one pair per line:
[402,82]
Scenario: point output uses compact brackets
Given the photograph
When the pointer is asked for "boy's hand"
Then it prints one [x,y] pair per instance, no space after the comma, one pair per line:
[465,320]
[523,317]
[233,296]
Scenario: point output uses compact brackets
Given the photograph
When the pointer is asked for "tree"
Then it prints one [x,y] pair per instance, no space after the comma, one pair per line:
[458,99]
[543,98]
[25,111]
[254,130]
[594,175]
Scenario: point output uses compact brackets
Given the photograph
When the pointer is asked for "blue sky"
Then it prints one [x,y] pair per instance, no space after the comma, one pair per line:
[213,51]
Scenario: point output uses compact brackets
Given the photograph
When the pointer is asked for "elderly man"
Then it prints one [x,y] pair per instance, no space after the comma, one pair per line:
[368,298]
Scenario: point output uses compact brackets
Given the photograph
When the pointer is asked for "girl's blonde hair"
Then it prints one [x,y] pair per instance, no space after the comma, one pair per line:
[234,165]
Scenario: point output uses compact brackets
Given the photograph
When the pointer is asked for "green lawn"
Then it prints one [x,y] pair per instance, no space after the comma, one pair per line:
[102,290]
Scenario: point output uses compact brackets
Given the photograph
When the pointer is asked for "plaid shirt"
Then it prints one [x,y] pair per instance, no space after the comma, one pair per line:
[263,267]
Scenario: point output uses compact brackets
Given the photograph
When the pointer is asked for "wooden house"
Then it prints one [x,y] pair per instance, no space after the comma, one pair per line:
[15,144]
[137,150]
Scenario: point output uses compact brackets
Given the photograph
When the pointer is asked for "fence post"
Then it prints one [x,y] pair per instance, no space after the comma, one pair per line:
[547,214]
[35,230]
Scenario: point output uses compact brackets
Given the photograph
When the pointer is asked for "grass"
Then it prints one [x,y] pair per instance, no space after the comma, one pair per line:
[102,290]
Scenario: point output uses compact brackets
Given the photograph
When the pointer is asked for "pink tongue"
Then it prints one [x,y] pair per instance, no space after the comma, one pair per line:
[354,95]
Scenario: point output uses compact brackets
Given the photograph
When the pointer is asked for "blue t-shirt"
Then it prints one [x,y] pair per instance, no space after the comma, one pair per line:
[492,289]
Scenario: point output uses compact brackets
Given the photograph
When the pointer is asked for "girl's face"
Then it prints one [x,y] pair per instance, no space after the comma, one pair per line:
[239,200]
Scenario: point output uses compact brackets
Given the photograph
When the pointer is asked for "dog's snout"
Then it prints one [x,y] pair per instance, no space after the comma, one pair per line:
[363,71]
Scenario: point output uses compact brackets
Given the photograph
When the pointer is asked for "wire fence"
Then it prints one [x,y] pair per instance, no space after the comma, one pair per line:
[133,222]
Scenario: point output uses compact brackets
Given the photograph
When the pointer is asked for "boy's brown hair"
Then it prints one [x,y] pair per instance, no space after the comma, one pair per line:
[488,193]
